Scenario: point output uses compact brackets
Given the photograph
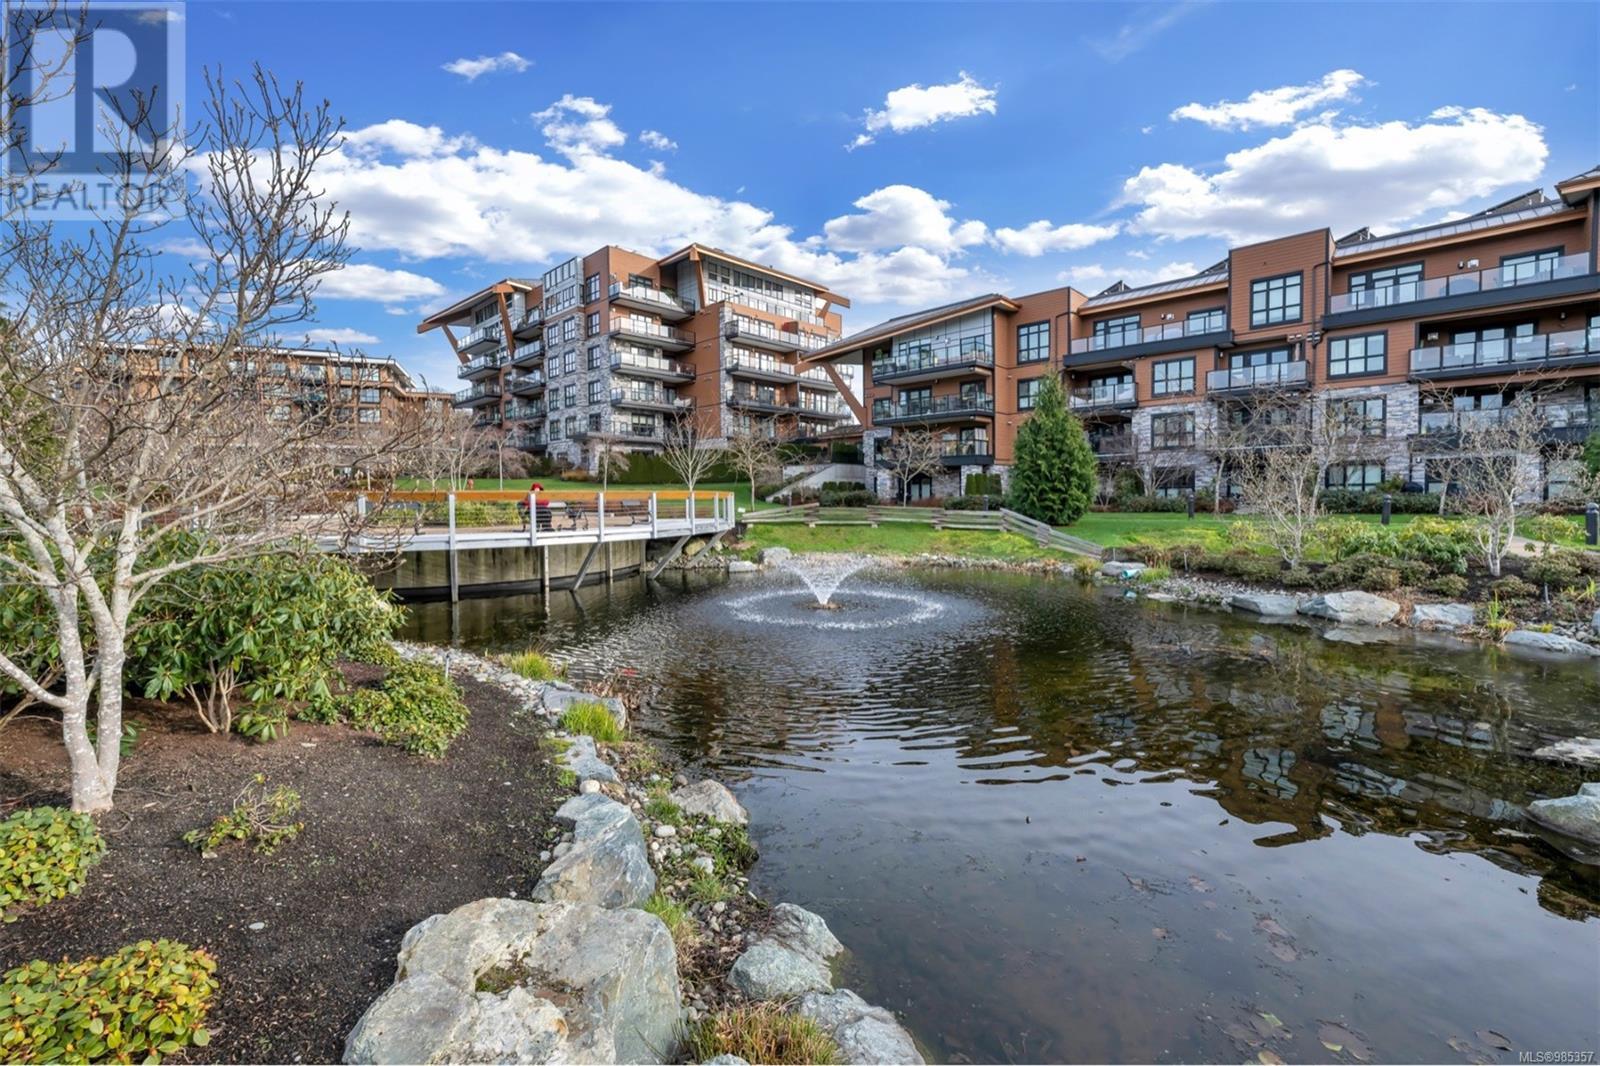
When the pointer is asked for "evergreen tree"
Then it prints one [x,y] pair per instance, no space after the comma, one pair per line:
[1052,478]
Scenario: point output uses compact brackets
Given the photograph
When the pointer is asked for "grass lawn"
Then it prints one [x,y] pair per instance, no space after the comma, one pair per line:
[1160,529]
[902,539]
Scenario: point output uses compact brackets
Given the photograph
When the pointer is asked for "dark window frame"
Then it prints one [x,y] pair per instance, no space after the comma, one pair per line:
[1207,312]
[1165,439]
[1264,317]
[1367,485]
[1366,420]
[1362,281]
[1156,384]
[1044,351]
[1032,395]
[1102,329]
[1366,358]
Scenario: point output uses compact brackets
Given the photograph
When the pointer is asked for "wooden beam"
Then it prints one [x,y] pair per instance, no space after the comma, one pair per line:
[672,553]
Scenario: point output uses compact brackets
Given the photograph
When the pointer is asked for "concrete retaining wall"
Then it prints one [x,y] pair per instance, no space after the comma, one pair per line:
[484,570]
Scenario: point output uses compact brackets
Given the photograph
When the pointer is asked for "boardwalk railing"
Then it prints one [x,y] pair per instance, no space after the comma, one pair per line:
[1002,520]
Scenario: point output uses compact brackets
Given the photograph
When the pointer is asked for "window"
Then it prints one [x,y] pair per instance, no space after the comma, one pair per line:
[594,390]
[1211,320]
[594,357]
[591,288]
[1396,284]
[1174,430]
[1112,332]
[369,395]
[279,412]
[594,423]
[167,362]
[569,396]
[1275,300]
[1355,477]
[1351,356]
[552,334]
[555,429]
[276,369]
[554,399]
[569,328]
[916,401]
[1173,482]
[920,488]
[569,362]
[1531,266]
[881,409]
[1172,377]
[371,415]
[557,276]
[1363,417]
[1027,393]
[1033,342]
[592,324]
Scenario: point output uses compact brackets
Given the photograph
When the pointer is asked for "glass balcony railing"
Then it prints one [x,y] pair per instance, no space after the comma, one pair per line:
[1506,353]
[484,390]
[1257,377]
[1573,414]
[489,333]
[1112,443]
[651,295]
[745,359]
[949,448]
[909,359]
[1504,277]
[1110,394]
[1168,331]
[524,412]
[642,328]
[482,363]
[940,406]
[653,397]
[647,363]
[761,398]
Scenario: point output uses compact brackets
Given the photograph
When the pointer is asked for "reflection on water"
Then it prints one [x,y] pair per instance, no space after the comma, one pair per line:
[1221,821]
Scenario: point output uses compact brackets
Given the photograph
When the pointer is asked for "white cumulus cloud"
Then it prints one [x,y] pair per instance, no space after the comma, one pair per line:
[915,106]
[340,336]
[472,69]
[1273,107]
[658,140]
[1037,238]
[363,281]
[1092,277]
[1341,176]
[899,215]
[579,125]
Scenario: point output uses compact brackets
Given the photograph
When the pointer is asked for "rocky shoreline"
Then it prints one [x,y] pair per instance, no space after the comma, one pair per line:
[578,973]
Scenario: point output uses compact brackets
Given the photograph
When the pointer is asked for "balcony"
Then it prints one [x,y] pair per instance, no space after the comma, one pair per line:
[528,353]
[1113,445]
[529,384]
[941,409]
[928,362]
[480,395]
[484,338]
[524,412]
[654,367]
[648,399]
[527,440]
[966,452]
[832,410]
[483,366]
[1208,332]
[759,334]
[652,334]
[649,298]
[1512,355]
[816,378]
[770,401]
[1568,275]
[528,325]
[1564,422]
[744,363]
[622,431]
[1290,375]
[1111,396]
[487,418]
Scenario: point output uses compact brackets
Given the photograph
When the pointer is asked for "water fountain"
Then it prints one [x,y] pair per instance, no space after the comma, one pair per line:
[823,574]
[860,606]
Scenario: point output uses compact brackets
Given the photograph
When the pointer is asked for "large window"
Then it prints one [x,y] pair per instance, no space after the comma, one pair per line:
[1361,417]
[1212,320]
[1028,393]
[592,324]
[1274,300]
[1033,342]
[1355,477]
[1112,332]
[1531,266]
[881,408]
[1174,430]
[1173,482]
[1352,356]
[1172,377]
[1396,284]
[595,355]
[595,386]
[591,288]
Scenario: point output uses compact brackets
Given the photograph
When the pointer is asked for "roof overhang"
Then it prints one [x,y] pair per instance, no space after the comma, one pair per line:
[901,325]
[695,252]
[450,314]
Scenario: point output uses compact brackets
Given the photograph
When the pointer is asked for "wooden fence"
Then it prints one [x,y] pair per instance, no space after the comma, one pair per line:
[1002,520]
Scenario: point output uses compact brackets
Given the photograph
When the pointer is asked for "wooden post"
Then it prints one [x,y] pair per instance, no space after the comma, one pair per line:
[455,577]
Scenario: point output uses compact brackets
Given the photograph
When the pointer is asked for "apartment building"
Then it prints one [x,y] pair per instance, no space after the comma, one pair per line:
[967,372]
[1402,338]
[609,349]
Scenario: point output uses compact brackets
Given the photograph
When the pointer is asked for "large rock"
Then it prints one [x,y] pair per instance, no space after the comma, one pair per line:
[1448,616]
[1264,603]
[1584,751]
[773,556]
[608,864]
[1551,642]
[710,799]
[503,980]
[1595,624]
[558,697]
[742,566]
[1122,570]
[584,761]
[790,960]
[1351,608]
[864,1033]
[1577,816]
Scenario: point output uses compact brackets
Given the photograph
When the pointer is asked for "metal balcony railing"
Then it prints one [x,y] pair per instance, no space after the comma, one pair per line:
[1150,334]
[1257,377]
[1471,281]
[1511,353]
[1110,394]
[914,359]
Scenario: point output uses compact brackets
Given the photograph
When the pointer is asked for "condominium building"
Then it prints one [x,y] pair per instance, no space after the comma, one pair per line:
[609,349]
[1404,338]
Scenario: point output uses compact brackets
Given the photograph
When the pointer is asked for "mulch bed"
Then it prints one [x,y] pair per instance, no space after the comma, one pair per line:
[389,839]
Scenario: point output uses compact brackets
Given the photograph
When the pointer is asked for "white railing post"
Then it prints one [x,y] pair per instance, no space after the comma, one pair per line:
[533,518]
[652,516]
[600,514]
[689,506]
[450,518]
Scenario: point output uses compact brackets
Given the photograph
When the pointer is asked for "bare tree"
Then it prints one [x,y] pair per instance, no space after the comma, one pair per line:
[450,447]
[689,452]
[753,455]
[910,454]
[609,457]
[135,416]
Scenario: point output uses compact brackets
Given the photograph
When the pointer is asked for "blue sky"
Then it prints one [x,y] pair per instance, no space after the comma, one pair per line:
[905,154]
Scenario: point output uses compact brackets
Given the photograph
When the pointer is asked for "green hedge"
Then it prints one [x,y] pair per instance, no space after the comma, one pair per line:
[415,707]
[45,854]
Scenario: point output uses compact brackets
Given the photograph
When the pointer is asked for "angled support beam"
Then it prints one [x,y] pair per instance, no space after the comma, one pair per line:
[666,560]
[714,541]
[583,571]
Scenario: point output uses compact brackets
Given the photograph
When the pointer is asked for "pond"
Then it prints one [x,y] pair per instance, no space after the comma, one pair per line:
[1054,825]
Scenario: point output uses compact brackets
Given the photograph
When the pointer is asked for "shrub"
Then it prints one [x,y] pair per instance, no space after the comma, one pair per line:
[266,723]
[1346,501]
[45,854]
[1053,474]
[1452,585]
[592,719]
[258,817]
[975,503]
[1380,579]
[1513,589]
[1137,504]
[532,665]
[1247,566]
[148,1000]
[764,1032]
[983,485]
[416,707]
[1555,569]
[1297,577]
[847,498]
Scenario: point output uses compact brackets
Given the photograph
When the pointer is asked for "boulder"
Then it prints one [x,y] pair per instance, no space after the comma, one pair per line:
[1351,608]
[710,799]
[1551,642]
[864,1033]
[1584,751]
[741,566]
[694,547]
[1595,624]
[584,761]
[608,864]
[1264,603]
[1122,570]
[773,556]
[790,960]
[1577,816]
[503,980]
[1449,616]
[558,697]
